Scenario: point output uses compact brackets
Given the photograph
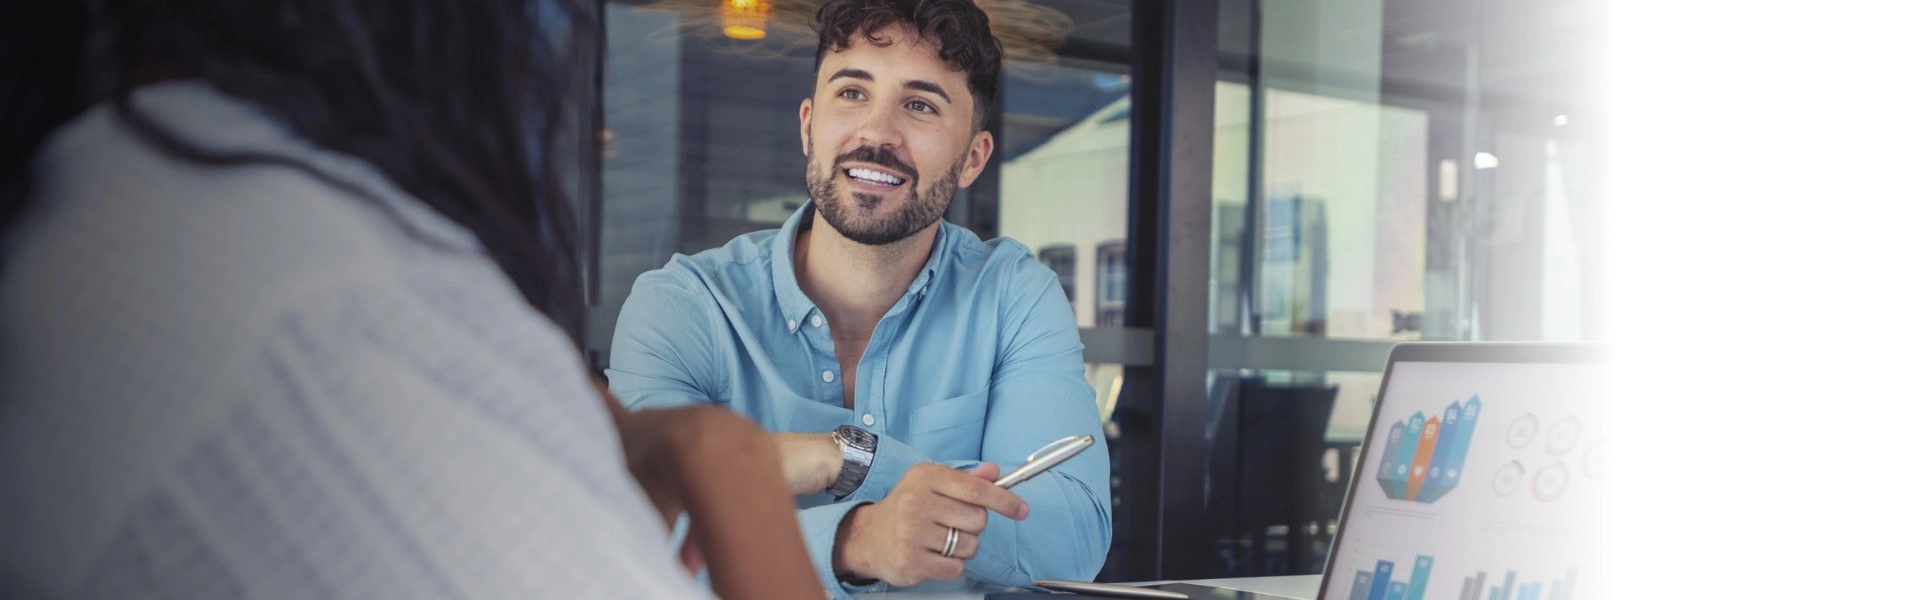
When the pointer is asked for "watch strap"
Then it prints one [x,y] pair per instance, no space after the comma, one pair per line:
[856,458]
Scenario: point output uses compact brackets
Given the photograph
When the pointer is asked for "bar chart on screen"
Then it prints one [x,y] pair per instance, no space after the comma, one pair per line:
[1378,584]
[1424,455]
[1508,587]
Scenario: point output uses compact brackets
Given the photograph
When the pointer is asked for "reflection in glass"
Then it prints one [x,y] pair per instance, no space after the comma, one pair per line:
[1112,283]
[1339,230]
[1281,451]
[1064,179]
[1385,170]
[1060,259]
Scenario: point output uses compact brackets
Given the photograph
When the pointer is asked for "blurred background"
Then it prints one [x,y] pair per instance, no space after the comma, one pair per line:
[1349,173]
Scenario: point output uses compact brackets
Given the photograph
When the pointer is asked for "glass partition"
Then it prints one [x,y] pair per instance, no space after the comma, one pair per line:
[1385,171]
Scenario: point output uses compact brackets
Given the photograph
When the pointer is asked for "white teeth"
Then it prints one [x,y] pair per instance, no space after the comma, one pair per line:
[874,176]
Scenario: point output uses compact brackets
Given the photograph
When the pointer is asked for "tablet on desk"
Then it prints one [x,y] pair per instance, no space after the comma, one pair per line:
[1193,592]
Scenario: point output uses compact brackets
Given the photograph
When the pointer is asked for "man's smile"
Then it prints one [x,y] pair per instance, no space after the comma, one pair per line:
[874,179]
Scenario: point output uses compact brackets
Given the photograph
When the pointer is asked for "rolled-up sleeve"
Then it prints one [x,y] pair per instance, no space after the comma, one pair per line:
[819,526]
[1039,394]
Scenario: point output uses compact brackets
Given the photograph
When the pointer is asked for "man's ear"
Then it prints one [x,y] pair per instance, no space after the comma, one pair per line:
[806,127]
[978,152]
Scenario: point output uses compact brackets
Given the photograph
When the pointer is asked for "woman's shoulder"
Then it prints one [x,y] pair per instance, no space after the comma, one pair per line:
[107,203]
[153,251]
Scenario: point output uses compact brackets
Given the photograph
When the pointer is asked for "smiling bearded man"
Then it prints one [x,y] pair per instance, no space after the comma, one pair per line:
[900,360]
[862,222]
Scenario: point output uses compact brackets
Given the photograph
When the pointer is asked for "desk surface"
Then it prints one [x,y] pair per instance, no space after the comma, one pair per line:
[1289,586]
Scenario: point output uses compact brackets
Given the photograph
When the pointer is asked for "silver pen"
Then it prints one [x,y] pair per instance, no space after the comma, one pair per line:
[1109,590]
[1045,458]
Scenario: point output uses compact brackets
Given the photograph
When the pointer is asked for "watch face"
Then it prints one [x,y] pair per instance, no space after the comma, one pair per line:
[857,436]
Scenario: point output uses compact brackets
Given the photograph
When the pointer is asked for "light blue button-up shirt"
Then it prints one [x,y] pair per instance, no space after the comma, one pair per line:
[978,361]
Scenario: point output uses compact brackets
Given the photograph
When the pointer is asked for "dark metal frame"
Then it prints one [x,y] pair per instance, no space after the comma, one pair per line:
[1175,65]
[589,191]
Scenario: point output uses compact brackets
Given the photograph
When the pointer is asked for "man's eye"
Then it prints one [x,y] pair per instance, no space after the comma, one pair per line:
[918,106]
[852,94]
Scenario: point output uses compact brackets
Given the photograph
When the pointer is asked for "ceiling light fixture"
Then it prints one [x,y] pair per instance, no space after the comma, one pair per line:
[744,19]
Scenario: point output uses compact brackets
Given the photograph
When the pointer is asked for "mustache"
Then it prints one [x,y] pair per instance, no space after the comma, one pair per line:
[878,156]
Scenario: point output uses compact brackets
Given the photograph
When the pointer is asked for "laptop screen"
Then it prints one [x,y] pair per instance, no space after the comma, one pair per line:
[1479,480]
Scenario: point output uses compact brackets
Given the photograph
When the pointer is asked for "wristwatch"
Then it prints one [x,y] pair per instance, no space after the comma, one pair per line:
[856,457]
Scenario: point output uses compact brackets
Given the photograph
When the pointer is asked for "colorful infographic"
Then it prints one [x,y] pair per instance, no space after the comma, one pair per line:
[1378,584]
[1423,456]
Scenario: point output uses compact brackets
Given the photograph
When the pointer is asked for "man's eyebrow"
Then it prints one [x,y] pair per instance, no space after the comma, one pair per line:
[931,88]
[924,86]
[854,73]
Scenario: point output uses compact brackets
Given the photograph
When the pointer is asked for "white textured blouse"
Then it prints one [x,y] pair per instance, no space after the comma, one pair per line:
[245,381]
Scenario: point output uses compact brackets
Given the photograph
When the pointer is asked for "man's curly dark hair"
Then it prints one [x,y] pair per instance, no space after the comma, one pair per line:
[966,41]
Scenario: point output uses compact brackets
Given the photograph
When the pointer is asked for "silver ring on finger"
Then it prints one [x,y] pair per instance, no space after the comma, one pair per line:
[953,539]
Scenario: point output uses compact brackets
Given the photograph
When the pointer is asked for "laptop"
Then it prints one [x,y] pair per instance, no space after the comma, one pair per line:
[1481,478]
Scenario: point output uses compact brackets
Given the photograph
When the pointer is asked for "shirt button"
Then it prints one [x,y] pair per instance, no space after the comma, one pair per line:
[816,320]
[867,419]
[826,376]
[791,325]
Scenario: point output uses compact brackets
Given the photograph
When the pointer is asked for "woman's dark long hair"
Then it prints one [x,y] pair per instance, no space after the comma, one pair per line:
[472,106]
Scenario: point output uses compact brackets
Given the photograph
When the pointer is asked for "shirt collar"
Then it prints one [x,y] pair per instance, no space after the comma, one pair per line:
[795,306]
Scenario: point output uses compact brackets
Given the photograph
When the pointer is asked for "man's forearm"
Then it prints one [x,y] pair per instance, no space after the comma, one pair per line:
[843,561]
[810,461]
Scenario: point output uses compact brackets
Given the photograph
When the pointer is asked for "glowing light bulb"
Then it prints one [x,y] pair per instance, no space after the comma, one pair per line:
[744,19]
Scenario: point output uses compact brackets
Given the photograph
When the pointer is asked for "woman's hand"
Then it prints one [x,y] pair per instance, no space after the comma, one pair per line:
[726,474]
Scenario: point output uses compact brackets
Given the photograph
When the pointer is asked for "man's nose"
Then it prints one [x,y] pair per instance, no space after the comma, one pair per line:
[880,128]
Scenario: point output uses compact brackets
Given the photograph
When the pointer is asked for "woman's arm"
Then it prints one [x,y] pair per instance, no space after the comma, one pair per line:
[725,473]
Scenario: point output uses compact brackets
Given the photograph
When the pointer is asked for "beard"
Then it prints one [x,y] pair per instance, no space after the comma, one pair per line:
[857,215]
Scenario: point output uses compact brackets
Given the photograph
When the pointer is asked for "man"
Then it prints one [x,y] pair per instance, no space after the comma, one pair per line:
[903,361]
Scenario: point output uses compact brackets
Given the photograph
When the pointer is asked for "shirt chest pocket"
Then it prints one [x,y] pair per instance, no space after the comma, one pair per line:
[949,429]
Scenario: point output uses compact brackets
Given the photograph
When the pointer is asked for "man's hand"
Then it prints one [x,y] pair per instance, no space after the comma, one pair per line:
[810,461]
[899,539]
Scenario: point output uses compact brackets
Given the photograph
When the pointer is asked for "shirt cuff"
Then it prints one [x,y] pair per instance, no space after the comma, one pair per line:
[891,459]
[819,526]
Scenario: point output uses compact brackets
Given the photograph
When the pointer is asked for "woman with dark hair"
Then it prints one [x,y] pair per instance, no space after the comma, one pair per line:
[289,306]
